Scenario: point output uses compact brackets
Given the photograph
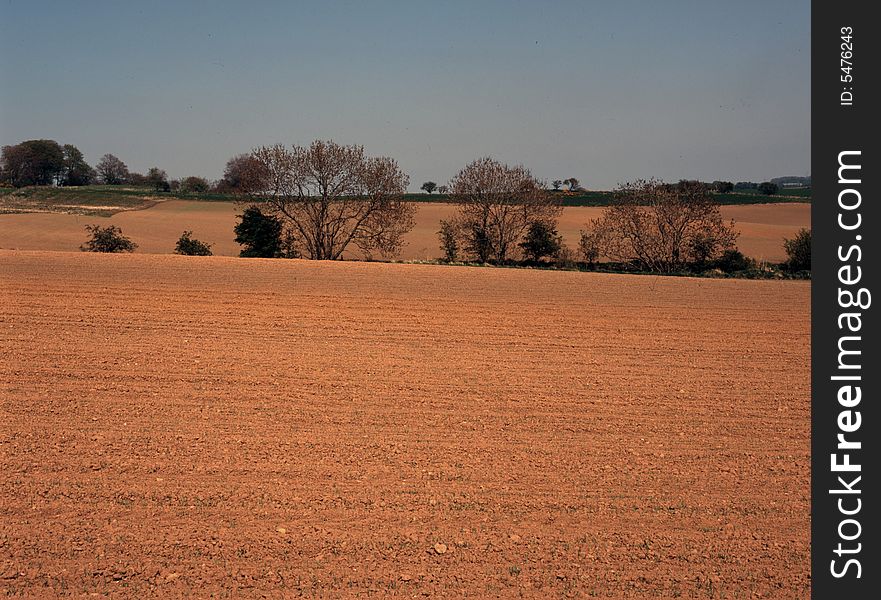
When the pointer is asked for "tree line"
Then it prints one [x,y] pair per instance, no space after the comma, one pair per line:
[326,199]
[46,162]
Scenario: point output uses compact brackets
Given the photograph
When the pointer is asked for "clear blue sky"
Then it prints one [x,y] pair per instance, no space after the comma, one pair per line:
[603,91]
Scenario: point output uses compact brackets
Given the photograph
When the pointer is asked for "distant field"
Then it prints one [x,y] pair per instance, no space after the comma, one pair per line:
[156,229]
[177,426]
[104,200]
[91,200]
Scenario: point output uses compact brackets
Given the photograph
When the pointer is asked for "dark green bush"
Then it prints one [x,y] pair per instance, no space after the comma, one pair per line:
[732,261]
[449,241]
[259,234]
[767,188]
[107,239]
[189,246]
[541,240]
[798,249]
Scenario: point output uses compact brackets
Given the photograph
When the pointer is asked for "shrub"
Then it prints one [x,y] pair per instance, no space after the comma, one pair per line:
[661,227]
[478,243]
[589,247]
[798,249]
[107,239]
[495,205]
[701,247]
[566,257]
[449,242]
[259,233]
[733,260]
[194,185]
[767,188]
[541,240]
[189,246]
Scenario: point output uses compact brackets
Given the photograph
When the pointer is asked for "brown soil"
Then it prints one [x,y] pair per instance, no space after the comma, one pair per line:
[156,230]
[228,427]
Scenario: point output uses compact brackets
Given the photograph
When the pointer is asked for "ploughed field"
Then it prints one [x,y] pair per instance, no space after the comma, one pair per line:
[230,427]
[762,227]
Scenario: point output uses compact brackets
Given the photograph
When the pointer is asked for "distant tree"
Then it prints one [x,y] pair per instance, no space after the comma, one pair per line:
[702,247]
[573,184]
[478,243]
[243,172]
[332,196]
[442,189]
[260,234]
[733,260]
[33,162]
[798,249]
[429,186]
[557,183]
[496,203]
[137,179]
[107,239]
[723,187]
[541,240]
[589,247]
[75,171]
[449,242]
[745,185]
[111,170]
[158,179]
[663,227]
[190,246]
[174,185]
[767,188]
[194,185]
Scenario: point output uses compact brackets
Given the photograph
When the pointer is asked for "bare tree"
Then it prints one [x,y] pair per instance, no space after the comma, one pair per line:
[332,196]
[111,170]
[496,205]
[241,173]
[662,227]
[158,179]
[573,184]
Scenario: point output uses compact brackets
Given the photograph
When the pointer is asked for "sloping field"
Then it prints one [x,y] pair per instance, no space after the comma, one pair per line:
[762,227]
[219,426]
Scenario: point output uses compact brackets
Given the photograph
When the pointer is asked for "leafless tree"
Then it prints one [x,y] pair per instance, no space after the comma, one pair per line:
[662,227]
[111,170]
[332,196]
[496,205]
[241,173]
